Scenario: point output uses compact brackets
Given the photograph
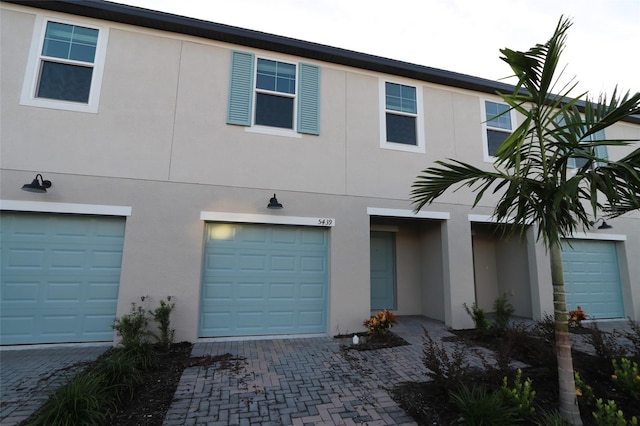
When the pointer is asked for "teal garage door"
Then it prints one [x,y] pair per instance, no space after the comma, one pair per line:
[263,280]
[592,278]
[60,276]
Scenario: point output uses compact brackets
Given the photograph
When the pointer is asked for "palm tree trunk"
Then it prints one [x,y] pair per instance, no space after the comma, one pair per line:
[569,409]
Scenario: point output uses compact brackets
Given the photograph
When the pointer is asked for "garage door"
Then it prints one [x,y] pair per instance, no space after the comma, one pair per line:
[59,277]
[263,279]
[592,278]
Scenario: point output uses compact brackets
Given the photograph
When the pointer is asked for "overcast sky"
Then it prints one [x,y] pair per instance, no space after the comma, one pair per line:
[603,47]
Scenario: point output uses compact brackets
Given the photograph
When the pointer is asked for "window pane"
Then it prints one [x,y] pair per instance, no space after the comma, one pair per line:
[493,110]
[70,42]
[495,139]
[276,76]
[274,111]
[401,129]
[400,98]
[64,82]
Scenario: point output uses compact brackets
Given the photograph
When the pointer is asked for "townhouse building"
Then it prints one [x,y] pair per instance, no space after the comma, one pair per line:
[260,181]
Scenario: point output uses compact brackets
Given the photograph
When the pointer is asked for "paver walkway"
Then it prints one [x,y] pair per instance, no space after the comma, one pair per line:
[301,382]
[27,376]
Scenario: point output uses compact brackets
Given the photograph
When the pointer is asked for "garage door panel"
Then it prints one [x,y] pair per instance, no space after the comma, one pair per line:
[260,279]
[60,277]
[592,278]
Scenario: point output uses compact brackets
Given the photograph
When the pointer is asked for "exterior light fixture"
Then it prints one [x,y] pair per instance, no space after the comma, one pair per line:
[603,225]
[273,203]
[38,185]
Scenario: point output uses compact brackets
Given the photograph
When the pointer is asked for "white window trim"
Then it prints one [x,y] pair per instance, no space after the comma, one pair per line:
[485,141]
[32,73]
[270,130]
[420,147]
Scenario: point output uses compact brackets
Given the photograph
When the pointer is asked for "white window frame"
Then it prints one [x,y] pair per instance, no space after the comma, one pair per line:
[485,127]
[32,74]
[271,130]
[420,144]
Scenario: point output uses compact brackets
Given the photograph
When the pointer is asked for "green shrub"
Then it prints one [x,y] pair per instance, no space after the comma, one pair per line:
[162,315]
[584,392]
[545,328]
[132,327]
[121,372]
[627,376]
[520,396]
[478,406]
[504,310]
[551,418]
[609,415]
[478,316]
[84,400]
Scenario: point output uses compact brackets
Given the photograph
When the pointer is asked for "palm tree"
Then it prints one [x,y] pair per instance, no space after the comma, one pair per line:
[531,172]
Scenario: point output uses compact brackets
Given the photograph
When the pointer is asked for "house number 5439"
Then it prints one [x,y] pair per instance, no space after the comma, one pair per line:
[325,222]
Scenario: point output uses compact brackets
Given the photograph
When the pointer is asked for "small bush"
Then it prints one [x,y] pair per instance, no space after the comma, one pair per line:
[627,376]
[606,345]
[82,401]
[478,406]
[546,328]
[633,334]
[162,315]
[380,323]
[609,415]
[576,317]
[551,418]
[504,310]
[584,392]
[478,316]
[132,327]
[447,370]
[520,395]
[121,371]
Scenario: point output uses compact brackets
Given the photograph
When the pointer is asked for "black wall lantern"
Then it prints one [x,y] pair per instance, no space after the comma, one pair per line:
[603,225]
[273,203]
[38,185]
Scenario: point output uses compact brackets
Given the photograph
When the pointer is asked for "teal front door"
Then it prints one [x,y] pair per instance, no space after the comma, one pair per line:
[59,277]
[383,270]
[263,279]
[592,278]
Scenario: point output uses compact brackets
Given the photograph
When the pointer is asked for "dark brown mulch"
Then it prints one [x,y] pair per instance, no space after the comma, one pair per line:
[369,343]
[153,398]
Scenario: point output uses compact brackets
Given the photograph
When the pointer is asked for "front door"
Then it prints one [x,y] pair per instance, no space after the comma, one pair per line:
[383,270]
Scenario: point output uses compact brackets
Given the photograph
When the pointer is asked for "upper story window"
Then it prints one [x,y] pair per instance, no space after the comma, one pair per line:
[65,66]
[270,94]
[401,118]
[498,125]
[275,93]
[599,151]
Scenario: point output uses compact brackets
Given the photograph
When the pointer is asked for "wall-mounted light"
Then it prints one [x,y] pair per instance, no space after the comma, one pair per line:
[37,185]
[273,203]
[603,225]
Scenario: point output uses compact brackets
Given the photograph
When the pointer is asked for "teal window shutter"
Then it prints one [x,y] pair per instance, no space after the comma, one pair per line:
[240,89]
[600,151]
[309,99]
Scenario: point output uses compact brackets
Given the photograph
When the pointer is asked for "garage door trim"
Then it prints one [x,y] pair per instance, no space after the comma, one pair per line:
[47,207]
[265,219]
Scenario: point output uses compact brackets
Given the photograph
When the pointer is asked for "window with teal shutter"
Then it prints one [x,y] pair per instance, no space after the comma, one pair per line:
[270,93]
[240,89]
